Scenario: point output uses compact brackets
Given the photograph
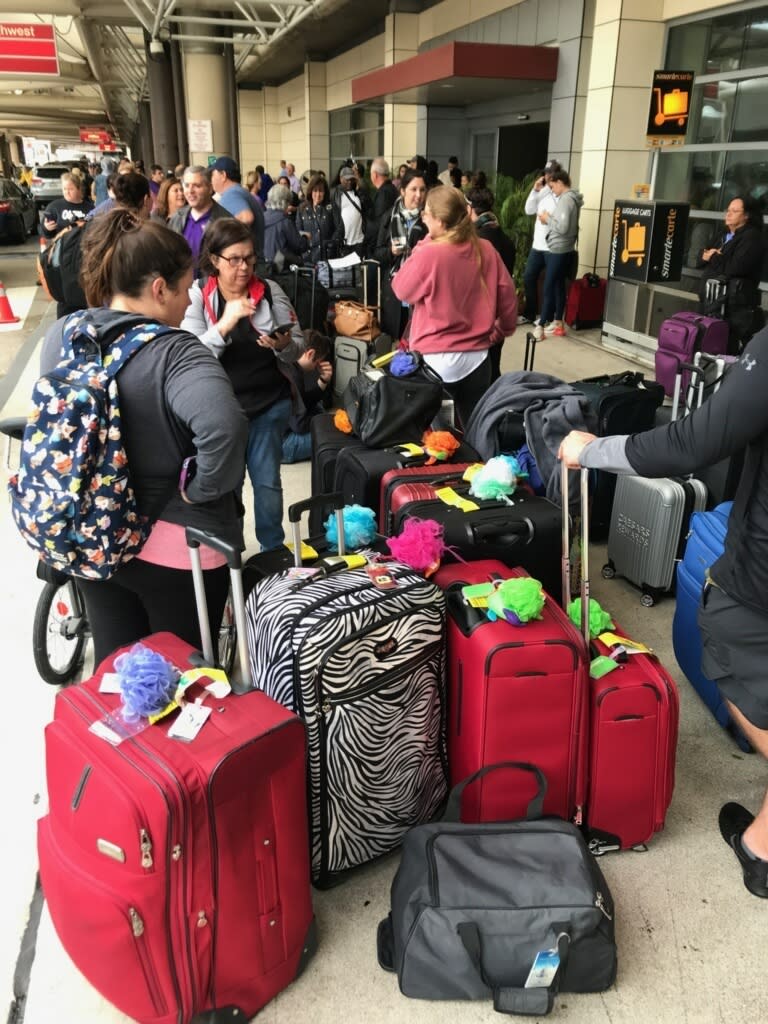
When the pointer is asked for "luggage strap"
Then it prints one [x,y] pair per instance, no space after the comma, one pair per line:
[516,1001]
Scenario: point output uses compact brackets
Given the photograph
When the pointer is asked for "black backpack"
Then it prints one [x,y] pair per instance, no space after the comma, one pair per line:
[60,267]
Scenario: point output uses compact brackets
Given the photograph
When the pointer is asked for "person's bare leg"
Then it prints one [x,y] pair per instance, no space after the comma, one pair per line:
[756,836]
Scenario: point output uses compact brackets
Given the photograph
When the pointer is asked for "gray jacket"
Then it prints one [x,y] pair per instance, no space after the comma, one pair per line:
[550,410]
[179,220]
[197,321]
[563,223]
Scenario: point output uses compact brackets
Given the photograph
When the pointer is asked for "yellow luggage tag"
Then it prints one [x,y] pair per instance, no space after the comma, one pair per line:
[308,553]
[451,497]
[380,361]
[631,646]
[410,450]
[476,595]
[470,471]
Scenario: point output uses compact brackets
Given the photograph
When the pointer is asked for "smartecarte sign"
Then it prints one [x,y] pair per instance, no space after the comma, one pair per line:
[28,49]
[670,107]
[647,240]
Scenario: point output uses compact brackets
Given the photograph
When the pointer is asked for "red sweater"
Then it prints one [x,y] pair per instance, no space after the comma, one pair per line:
[455,307]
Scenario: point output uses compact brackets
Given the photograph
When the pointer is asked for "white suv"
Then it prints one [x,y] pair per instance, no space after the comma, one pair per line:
[46,184]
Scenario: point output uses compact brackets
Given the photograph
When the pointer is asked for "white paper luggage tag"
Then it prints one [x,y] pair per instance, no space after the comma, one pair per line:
[544,969]
[189,723]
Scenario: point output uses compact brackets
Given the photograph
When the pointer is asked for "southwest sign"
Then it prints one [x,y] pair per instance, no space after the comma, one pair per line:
[28,49]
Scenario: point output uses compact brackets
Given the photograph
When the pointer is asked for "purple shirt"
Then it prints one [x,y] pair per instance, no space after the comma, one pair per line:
[193,232]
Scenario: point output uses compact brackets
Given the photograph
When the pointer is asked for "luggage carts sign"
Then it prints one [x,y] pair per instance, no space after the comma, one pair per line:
[647,240]
[669,108]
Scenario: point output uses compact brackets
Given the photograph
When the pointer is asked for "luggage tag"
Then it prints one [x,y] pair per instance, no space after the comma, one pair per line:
[450,497]
[308,553]
[110,683]
[476,594]
[382,360]
[189,723]
[543,970]
[630,646]
[410,450]
[601,666]
[381,578]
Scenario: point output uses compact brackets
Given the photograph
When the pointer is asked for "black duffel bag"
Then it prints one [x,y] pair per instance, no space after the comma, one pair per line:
[385,409]
[514,911]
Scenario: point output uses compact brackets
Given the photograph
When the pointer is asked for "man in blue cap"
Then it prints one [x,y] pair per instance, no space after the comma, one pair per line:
[237,200]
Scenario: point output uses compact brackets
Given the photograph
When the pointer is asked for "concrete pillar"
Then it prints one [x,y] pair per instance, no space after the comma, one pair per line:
[405,124]
[209,95]
[164,142]
[627,47]
[316,115]
[179,104]
[144,142]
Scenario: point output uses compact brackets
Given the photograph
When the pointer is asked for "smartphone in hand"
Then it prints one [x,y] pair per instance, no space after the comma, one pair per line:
[282,329]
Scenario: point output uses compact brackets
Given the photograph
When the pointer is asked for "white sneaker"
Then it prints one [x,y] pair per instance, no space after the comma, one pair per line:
[553,327]
[522,320]
[538,333]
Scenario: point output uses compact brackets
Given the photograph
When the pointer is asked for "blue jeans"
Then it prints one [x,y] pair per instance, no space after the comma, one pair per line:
[297,447]
[537,261]
[558,265]
[262,459]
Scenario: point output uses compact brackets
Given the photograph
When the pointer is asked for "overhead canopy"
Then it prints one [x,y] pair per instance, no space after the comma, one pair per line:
[458,74]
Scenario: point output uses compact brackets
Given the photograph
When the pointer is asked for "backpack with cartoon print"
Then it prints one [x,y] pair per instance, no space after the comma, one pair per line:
[72,499]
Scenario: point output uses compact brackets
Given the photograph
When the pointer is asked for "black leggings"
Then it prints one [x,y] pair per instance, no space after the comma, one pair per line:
[144,598]
[466,393]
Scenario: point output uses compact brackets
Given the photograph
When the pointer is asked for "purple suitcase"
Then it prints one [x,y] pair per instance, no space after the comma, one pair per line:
[680,338]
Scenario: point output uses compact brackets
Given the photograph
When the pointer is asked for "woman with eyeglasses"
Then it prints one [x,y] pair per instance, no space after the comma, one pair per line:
[251,327]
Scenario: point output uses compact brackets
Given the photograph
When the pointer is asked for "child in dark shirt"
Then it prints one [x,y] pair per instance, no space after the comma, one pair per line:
[311,376]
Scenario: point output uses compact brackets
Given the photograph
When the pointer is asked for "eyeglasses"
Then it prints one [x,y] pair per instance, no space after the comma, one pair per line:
[238,261]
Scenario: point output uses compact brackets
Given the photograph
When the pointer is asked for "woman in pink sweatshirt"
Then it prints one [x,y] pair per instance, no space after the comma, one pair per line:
[462,299]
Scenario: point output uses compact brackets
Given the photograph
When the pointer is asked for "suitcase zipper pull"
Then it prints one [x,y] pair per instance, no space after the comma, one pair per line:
[146,849]
[137,925]
[601,905]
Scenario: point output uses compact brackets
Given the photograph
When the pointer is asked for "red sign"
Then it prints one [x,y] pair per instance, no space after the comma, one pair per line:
[95,135]
[28,49]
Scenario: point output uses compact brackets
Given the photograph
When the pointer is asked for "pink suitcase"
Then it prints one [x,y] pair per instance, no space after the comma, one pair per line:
[177,873]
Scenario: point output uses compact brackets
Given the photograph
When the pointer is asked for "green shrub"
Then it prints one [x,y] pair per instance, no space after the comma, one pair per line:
[510,210]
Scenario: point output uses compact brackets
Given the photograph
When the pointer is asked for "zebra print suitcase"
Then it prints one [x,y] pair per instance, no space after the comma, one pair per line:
[365,668]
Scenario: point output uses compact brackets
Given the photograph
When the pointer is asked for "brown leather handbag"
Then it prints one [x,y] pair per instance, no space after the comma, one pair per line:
[354,320]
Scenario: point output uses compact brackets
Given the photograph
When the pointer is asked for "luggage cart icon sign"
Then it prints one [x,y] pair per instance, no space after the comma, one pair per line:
[671,106]
[634,242]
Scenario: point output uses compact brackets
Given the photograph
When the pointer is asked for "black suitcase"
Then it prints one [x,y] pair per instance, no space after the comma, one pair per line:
[307,296]
[359,470]
[624,403]
[525,533]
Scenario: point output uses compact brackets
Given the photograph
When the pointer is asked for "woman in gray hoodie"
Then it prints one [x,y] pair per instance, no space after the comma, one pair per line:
[562,233]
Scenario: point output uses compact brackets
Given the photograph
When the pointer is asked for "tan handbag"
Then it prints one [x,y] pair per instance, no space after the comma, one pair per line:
[354,320]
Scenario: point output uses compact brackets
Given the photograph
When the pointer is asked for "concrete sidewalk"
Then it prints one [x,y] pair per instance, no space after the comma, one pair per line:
[690,935]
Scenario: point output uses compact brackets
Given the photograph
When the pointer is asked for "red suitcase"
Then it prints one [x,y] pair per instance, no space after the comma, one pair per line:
[585,303]
[516,694]
[439,475]
[177,874]
[634,712]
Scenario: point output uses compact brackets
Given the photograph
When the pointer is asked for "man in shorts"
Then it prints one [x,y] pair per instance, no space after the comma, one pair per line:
[733,614]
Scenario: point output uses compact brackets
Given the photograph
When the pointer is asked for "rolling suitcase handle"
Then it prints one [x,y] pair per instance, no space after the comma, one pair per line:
[530,352]
[695,371]
[196,537]
[363,266]
[298,508]
[566,557]
[312,272]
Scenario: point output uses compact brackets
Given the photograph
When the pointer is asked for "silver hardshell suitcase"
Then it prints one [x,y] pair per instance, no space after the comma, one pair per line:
[649,523]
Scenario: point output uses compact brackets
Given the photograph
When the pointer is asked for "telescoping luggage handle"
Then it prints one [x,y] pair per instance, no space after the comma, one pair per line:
[196,537]
[566,555]
[297,510]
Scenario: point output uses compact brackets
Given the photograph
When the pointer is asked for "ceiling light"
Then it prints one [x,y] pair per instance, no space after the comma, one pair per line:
[18,92]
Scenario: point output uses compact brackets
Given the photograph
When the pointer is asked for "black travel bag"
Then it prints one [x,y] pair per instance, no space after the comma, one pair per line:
[385,409]
[624,403]
[483,911]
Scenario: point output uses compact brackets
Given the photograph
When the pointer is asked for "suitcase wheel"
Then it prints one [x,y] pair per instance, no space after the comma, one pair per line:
[647,600]
[608,571]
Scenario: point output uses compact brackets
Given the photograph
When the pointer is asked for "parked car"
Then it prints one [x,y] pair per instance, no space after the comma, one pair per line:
[18,217]
[46,183]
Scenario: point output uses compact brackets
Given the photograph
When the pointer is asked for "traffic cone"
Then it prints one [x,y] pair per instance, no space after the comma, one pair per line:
[6,313]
